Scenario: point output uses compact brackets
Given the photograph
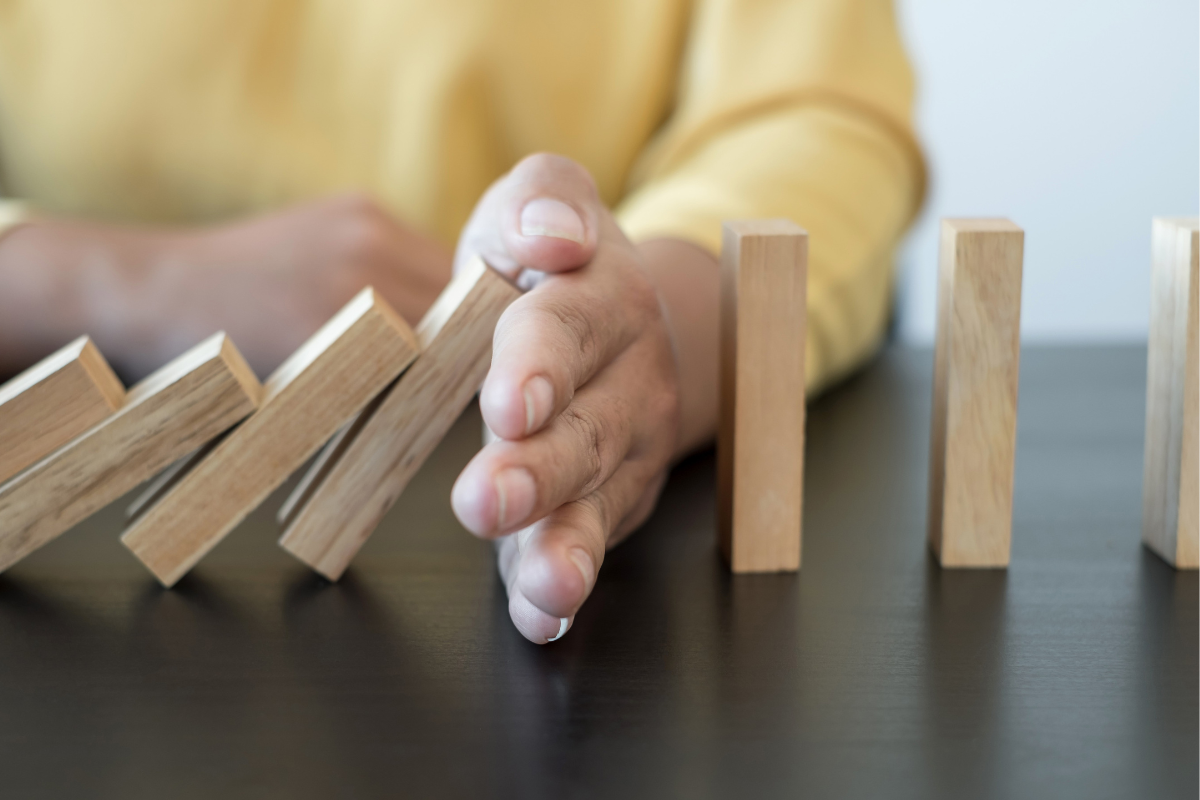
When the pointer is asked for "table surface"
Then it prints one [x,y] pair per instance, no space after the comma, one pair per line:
[871,673]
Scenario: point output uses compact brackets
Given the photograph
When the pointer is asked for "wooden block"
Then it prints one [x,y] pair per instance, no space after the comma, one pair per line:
[359,476]
[167,479]
[329,379]
[1170,498]
[54,401]
[976,363]
[760,437]
[169,414]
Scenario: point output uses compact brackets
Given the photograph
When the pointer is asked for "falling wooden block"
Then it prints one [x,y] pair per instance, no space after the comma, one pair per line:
[329,379]
[976,363]
[54,401]
[760,438]
[1170,498]
[169,414]
[364,469]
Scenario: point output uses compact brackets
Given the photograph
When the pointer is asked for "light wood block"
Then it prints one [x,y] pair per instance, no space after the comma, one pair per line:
[166,479]
[169,414]
[760,438]
[1170,495]
[329,379]
[976,365]
[54,401]
[361,473]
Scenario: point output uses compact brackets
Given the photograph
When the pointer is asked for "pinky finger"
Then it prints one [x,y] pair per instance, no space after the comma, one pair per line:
[532,622]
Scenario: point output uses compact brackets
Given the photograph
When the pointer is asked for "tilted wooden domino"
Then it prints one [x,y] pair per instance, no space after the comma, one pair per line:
[362,471]
[54,401]
[169,477]
[760,438]
[976,364]
[330,378]
[1170,494]
[167,415]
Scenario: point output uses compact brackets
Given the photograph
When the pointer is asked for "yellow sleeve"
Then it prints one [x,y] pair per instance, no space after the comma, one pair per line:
[799,110]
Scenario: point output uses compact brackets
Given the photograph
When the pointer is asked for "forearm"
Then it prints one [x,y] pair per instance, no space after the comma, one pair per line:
[688,281]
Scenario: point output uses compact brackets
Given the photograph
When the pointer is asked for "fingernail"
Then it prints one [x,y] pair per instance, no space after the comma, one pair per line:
[563,622]
[545,217]
[583,562]
[539,402]
[516,493]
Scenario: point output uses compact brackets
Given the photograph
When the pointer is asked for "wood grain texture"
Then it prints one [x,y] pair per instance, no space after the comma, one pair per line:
[169,414]
[1170,516]
[976,366]
[361,473]
[760,441]
[54,401]
[329,379]
[166,479]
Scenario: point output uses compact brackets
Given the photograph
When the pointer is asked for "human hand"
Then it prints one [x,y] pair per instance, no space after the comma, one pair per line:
[146,294]
[272,281]
[582,393]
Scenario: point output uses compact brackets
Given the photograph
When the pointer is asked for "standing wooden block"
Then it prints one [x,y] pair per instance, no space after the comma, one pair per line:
[166,416]
[361,472]
[976,363]
[1170,498]
[760,445]
[330,378]
[54,401]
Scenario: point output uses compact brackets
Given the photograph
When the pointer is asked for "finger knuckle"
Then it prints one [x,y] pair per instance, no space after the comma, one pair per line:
[601,512]
[592,435]
[579,326]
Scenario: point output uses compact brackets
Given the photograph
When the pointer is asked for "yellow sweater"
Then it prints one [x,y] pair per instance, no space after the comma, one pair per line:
[686,113]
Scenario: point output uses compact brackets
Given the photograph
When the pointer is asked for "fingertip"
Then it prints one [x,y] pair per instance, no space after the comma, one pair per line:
[556,581]
[535,624]
[502,404]
[514,410]
[538,394]
[474,501]
[494,494]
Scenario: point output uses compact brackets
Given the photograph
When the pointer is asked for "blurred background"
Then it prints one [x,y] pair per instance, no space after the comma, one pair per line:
[1079,121]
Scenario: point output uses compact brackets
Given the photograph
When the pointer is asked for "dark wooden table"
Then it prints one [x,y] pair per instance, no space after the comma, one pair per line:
[872,673]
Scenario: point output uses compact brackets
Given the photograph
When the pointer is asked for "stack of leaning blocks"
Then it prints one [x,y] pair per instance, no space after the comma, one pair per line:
[377,394]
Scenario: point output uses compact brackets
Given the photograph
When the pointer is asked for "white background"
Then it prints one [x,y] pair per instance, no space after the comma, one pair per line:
[1077,120]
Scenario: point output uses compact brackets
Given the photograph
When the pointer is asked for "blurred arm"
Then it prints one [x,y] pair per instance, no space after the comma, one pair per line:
[796,110]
